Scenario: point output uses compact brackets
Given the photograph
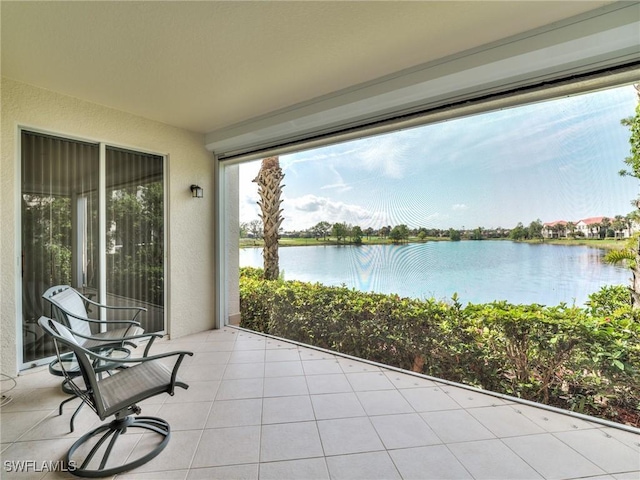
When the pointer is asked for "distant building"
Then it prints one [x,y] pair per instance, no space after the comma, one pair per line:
[592,227]
[557,229]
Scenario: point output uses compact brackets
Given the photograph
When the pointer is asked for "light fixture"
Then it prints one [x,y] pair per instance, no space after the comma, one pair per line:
[196,191]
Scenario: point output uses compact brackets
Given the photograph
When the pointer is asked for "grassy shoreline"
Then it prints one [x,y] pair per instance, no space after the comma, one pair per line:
[606,244]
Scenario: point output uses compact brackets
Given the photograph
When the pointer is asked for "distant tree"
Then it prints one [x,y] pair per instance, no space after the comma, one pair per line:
[618,225]
[535,229]
[519,233]
[477,234]
[422,234]
[605,226]
[399,233]
[340,231]
[384,231]
[454,235]
[356,235]
[321,229]
[244,229]
[369,232]
[571,229]
[255,228]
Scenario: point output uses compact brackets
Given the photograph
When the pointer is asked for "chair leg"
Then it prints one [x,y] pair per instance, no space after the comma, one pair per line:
[105,437]
[65,401]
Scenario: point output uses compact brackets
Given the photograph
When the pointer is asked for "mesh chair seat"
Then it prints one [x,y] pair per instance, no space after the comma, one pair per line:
[134,384]
[111,336]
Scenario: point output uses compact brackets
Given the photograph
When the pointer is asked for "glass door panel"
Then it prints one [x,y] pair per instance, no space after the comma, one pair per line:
[135,233]
[59,182]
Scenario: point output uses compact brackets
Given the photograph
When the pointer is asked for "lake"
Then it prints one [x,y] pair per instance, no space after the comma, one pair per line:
[479,271]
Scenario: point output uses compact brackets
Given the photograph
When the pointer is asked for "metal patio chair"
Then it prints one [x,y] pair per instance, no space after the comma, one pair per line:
[117,395]
[69,307]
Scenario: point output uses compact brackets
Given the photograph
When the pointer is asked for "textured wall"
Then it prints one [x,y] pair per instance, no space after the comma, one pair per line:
[190,266]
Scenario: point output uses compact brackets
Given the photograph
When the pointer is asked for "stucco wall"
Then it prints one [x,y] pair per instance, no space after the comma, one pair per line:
[190,232]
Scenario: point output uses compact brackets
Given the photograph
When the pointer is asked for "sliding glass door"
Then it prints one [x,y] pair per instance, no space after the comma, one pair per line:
[61,224]
[135,233]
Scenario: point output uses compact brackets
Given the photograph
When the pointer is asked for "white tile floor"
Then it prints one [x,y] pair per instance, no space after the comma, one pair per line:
[262,408]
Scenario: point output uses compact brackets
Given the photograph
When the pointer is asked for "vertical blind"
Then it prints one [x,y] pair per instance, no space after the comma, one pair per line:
[60,230]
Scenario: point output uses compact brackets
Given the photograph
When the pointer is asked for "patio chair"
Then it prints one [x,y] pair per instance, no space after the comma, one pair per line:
[116,395]
[69,308]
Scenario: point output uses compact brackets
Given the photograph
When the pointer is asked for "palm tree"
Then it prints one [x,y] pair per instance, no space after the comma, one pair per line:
[269,181]
[630,254]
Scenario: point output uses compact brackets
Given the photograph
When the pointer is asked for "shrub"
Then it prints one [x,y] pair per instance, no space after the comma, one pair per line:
[581,359]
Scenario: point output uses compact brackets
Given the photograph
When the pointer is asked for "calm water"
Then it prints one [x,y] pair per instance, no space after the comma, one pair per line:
[478,271]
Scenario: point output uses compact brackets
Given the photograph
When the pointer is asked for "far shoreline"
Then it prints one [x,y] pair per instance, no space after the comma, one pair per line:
[602,244]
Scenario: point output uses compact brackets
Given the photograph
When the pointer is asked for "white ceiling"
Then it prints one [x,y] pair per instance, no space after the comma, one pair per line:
[204,66]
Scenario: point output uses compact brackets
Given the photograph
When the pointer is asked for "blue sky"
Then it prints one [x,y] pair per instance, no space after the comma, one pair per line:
[556,160]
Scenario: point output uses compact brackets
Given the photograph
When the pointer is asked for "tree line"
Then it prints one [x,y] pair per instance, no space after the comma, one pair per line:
[343,232]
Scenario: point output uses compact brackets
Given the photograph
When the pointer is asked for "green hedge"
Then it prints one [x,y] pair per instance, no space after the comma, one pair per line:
[583,359]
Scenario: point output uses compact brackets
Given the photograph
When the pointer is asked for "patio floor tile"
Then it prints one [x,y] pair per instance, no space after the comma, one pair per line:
[285,386]
[365,381]
[348,435]
[404,431]
[505,421]
[283,369]
[363,466]
[243,388]
[185,416]
[384,402]
[236,472]
[454,426]
[552,458]
[333,383]
[321,367]
[337,405]
[307,469]
[236,371]
[492,460]
[264,408]
[228,446]
[602,449]
[403,380]
[235,413]
[177,455]
[428,463]
[287,409]
[429,399]
[290,441]
[283,355]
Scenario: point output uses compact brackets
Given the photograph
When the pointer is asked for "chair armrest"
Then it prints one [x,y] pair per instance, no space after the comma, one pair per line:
[123,362]
[128,340]
[110,307]
[92,320]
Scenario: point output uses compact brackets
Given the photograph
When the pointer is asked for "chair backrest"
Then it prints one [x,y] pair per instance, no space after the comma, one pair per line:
[62,336]
[68,308]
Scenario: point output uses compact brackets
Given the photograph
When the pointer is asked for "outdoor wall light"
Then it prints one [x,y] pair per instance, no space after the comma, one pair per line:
[196,191]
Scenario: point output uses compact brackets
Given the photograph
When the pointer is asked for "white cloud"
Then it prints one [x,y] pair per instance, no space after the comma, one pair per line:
[304,212]
[459,207]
